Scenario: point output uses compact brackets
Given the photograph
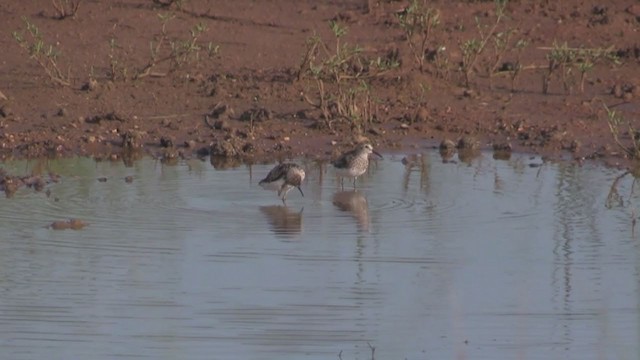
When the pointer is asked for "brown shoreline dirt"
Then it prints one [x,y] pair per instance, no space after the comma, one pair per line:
[246,100]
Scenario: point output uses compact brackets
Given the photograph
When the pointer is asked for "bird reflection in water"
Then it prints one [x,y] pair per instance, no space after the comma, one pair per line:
[356,203]
[284,221]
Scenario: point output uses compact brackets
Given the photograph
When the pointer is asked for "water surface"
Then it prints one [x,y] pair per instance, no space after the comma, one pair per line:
[483,259]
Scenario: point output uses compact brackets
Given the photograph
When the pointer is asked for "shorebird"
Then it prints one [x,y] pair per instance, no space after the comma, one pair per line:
[284,177]
[355,162]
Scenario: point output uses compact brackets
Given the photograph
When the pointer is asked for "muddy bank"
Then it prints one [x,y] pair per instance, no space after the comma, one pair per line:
[288,78]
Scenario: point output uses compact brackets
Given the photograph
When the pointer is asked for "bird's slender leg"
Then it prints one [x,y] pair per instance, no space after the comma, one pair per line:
[284,190]
[354,182]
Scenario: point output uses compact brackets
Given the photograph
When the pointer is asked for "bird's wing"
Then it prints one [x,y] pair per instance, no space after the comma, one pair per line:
[344,159]
[276,173]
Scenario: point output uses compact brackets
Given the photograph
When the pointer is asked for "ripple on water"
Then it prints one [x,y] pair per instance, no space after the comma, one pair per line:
[208,260]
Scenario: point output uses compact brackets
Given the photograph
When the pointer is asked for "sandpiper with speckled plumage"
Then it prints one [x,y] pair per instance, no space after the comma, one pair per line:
[355,162]
[283,178]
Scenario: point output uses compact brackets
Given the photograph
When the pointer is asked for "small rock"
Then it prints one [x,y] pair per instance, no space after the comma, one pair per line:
[59,225]
[422,115]
[617,91]
[502,151]
[128,179]
[90,85]
[634,10]
[224,148]
[131,139]
[574,146]
[256,114]
[468,142]
[469,93]
[221,125]
[166,142]
[203,151]
[102,179]
[447,144]
[502,147]
[218,110]
[190,144]
[6,111]
[73,224]
[248,148]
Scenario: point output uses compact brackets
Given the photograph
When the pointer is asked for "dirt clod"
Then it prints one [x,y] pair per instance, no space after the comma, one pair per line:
[468,142]
[71,224]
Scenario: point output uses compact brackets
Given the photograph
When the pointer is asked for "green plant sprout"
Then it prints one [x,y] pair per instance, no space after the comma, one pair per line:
[441,62]
[339,78]
[418,22]
[563,59]
[46,55]
[473,48]
[180,52]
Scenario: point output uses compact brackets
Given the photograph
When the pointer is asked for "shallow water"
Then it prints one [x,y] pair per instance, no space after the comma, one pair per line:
[481,260]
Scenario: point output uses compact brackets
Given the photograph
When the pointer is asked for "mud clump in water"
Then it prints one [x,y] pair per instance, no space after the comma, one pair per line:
[131,140]
[11,183]
[71,224]
[468,143]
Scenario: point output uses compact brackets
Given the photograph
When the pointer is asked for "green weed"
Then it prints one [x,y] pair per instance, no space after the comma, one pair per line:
[338,75]
[167,54]
[567,60]
[473,48]
[418,23]
[46,55]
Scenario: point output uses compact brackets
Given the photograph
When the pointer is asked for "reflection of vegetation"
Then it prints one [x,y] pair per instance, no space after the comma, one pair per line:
[410,163]
[224,162]
[616,123]
[614,199]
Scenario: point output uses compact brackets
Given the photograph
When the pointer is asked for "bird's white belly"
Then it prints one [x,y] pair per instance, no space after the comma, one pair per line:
[349,172]
[274,185]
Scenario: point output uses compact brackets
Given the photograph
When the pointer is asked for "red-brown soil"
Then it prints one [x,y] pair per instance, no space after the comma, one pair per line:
[252,96]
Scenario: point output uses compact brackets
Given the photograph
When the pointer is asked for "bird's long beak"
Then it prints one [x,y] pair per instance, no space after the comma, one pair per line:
[377,153]
[301,191]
